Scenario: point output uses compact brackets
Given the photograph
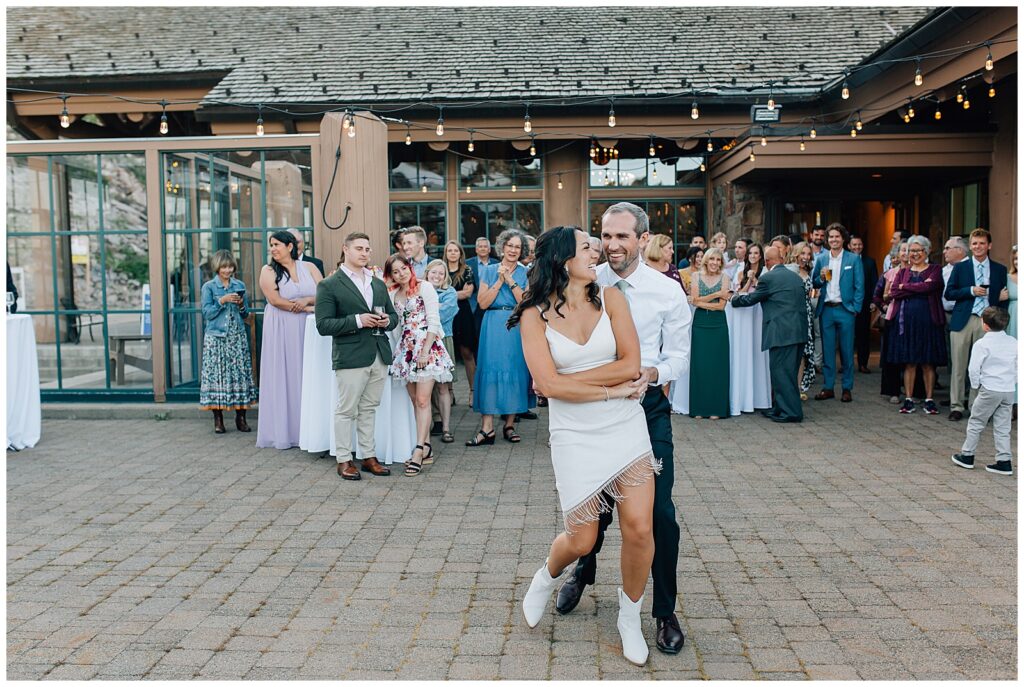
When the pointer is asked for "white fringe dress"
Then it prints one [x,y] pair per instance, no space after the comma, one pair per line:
[598,446]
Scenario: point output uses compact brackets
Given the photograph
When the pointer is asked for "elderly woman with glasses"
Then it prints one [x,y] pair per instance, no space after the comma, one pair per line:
[918,322]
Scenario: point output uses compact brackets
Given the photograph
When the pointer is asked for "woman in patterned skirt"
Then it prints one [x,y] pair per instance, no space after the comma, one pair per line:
[420,359]
[226,381]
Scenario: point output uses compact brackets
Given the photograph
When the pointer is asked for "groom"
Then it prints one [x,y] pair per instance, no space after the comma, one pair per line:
[662,318]
[784,332]
[345,303]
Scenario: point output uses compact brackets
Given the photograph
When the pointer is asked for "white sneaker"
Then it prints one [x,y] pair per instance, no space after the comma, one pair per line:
[537,596]
[634,646]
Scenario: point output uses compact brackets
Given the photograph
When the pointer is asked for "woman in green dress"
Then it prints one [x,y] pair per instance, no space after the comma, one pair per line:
[709,342]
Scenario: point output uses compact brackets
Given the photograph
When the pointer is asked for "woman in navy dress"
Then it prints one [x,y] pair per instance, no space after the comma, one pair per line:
[502,383]
[919,323]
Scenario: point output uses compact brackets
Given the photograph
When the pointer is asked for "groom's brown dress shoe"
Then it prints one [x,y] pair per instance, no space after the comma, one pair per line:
[348,471]
[372,466]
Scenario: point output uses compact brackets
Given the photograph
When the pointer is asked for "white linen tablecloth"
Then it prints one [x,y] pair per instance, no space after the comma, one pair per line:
[395,426]
[24,413]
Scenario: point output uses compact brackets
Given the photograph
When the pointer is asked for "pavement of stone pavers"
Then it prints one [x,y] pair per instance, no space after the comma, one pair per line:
[846,547]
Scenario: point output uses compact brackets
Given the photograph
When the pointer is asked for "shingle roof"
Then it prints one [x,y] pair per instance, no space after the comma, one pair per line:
[356,55]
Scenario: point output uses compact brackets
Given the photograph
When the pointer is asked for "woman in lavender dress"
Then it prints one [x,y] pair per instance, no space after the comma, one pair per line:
[290,288]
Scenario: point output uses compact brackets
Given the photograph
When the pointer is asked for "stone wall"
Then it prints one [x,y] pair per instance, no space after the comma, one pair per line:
[738,210]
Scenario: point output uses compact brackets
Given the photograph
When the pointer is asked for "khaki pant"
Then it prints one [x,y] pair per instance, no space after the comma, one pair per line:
[960,344]
[359,393]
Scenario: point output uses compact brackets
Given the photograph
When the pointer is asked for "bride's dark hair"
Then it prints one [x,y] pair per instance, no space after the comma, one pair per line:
[548,276]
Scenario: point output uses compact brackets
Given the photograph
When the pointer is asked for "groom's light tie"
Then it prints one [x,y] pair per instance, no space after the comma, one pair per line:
[622,285]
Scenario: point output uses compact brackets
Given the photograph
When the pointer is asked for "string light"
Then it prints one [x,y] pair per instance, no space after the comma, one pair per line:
[853,132]
[514,188]
[560,184]
[527,124]
[440,122]
[259,120]
[859,124]
[910,110]
[351,126]
[752,156]
[846,87]
[938,113]
[471,147]
[967,104]
[469,189]
[803,146]
[163,118]
[424,188]
[650,149]
[611,115]
[593,147]
[764,139]
[771,98]
[960,94]
[408,135]
[988,59]
[918,79]
[533,146]
[346,121]
[814,132]
[710,146]
[991,91]
[703,167]
[65,118]
[694,111]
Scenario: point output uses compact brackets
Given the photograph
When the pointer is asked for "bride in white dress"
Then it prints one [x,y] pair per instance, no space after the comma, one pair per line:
[583,352]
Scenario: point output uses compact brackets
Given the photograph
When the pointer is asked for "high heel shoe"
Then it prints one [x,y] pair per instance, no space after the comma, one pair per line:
[412,468]
[537,596]
[482,438]
[634,646]
[428,459]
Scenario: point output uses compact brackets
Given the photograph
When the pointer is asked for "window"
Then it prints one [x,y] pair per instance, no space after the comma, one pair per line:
[431,216]
[968,208]
[490,219]
[678,219]
[416,166]
[631,166]
[497,165]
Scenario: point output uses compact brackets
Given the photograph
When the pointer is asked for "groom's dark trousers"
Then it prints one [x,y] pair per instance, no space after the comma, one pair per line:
[666,530]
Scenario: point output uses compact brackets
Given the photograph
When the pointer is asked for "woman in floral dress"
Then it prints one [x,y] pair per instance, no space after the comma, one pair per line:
[802,259]
[420,359]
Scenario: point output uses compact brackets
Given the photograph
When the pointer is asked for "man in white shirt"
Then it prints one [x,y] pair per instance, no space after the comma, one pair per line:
[993,372]
[894,246]
[662,319]
[953,252]
[414,242]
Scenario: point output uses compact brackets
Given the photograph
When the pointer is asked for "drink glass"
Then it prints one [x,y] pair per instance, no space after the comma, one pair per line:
[10,301]
[379,311]
[826,272]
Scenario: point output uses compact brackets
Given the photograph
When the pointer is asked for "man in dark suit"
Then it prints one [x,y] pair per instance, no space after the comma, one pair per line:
[319,264]
[11,288]
[862,327]
[973,285]
[346,304]
[783,332]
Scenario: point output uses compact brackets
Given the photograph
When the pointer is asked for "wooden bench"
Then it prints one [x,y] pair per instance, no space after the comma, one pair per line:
[118,357]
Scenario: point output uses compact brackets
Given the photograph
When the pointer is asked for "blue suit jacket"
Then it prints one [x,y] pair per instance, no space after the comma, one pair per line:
[960,283]
[851,280]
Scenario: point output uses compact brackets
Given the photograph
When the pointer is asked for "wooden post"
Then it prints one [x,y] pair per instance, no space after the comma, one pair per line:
[361,183]
[157,285]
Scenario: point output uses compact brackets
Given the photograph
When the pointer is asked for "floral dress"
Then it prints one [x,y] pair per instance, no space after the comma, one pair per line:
[808,353]
[418,316]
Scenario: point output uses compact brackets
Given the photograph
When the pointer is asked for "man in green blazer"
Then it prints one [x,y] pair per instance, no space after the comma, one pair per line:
[353,306]
[783,332]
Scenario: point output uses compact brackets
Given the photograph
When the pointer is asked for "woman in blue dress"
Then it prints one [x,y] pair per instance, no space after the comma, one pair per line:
[502,383]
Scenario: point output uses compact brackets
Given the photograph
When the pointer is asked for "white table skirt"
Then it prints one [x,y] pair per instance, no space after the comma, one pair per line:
[24,414]
[395,428]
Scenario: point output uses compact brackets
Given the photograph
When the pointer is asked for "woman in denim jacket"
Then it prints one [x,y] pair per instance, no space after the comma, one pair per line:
[226,379]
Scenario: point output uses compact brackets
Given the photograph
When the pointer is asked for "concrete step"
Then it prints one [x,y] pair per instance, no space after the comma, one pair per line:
[131,411]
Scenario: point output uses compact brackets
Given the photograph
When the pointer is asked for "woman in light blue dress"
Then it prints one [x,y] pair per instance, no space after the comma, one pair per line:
[502,383]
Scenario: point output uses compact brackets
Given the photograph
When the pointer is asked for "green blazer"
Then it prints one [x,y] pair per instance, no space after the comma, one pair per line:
[783,307]
[338,302]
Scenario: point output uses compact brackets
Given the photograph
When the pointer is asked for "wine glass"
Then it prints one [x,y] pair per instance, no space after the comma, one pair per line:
[10,301]
[379,311]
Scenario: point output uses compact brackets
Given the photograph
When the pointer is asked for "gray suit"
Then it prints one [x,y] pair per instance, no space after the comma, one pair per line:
[784,333]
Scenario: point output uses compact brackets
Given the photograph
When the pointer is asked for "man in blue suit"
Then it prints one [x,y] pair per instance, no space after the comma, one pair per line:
[973,285]
[840,276]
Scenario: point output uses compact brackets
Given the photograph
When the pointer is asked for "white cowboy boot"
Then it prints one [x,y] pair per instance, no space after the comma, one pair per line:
[634,646]
[538,595]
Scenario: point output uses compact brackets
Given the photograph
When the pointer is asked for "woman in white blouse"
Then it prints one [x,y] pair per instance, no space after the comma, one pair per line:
[420,359]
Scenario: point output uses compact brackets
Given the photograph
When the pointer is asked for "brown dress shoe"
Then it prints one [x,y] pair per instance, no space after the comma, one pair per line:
[347,470]
[373,466]
[847,396]
[824,394]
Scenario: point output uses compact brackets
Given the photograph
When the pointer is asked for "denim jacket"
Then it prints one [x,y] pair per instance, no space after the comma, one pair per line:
[217,314]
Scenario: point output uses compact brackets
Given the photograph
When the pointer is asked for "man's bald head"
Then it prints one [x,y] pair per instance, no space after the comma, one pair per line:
[772,256]
[298,237]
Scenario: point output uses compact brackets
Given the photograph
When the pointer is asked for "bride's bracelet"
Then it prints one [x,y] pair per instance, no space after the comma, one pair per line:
[607,396]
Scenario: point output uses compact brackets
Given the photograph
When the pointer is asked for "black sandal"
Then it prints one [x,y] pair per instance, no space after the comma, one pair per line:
[447,437]
[412,468]
[482,438]
[428,459]
[509,432]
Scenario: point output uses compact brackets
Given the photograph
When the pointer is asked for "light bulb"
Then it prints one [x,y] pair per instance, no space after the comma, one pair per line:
[654,173]
[611,116]
[650,150]
[918,79]
[471,147]
[352,130]
[859,124]
[469,189]
[910,111]
[440,126]
[853,133]
[514,188]
[694,112]
[803,146]
[967,104]
[752,156]
[533,150]
[771,103]
[960,97]
[65,119]
[560,184]
[814,132]
[764,141]
[846,91]
[991,91]
[346,121]
[408,138]
[711,147]
[527,124]
[163,123]
[703,167]
[906,118]
[988,62]
[424,188]
[593,150]
[938,114]
[259,126]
